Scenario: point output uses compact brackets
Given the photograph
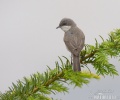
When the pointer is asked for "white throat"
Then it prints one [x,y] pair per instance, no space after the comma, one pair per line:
[65,28]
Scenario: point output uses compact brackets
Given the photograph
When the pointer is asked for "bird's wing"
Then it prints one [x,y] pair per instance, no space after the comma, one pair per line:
[71,48]
[75,43]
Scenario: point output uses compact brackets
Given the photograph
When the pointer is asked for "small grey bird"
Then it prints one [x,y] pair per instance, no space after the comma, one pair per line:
[74,40]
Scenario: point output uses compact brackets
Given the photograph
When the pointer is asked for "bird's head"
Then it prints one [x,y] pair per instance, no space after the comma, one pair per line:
[66,24]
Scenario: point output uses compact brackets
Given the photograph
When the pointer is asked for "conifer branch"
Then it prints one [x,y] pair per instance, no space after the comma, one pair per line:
[39,86]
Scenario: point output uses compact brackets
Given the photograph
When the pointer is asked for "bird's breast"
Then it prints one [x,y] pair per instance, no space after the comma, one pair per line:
[68,36]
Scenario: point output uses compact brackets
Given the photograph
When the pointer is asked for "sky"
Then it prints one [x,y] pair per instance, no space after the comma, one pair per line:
[29,40]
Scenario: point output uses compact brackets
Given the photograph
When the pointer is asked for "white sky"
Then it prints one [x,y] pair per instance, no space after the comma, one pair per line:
[29,40]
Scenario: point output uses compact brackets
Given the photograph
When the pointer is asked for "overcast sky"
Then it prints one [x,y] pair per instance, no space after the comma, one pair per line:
[29,40]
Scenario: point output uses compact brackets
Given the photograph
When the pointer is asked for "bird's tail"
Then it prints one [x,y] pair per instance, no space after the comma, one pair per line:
[76,63]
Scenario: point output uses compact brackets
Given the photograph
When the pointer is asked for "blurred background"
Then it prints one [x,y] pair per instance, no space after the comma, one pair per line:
[29,40]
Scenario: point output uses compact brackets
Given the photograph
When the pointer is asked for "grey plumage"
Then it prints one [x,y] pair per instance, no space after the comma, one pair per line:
[74,40]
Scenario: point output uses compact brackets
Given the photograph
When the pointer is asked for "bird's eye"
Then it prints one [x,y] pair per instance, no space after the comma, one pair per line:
[64,24]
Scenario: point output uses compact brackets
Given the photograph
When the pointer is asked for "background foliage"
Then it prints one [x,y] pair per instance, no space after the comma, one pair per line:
[39,85]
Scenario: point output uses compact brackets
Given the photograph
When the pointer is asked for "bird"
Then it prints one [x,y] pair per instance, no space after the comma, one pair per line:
[74,39]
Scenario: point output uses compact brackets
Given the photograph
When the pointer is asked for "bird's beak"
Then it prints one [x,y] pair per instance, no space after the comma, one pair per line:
[57,27]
